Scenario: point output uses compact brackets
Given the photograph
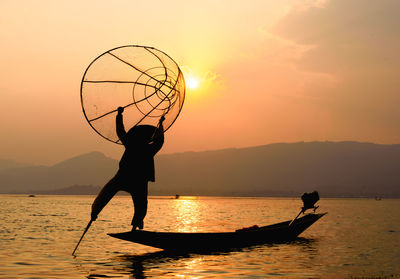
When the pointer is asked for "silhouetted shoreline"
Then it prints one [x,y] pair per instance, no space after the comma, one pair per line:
[190,196]
[335,169]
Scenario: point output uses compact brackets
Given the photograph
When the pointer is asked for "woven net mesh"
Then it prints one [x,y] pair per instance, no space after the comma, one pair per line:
[145,81]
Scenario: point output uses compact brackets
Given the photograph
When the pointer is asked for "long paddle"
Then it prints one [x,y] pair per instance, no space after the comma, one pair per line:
[301,211]
[87,228]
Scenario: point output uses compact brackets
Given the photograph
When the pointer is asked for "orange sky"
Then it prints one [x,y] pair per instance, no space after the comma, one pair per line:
[269,71]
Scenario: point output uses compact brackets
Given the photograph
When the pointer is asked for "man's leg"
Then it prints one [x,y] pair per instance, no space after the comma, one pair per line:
[105,195]
[139,198]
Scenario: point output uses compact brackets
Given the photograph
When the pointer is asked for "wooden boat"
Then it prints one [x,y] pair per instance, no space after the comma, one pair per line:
[178,241]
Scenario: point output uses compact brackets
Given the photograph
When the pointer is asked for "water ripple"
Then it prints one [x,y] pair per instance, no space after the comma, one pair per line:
[356,239]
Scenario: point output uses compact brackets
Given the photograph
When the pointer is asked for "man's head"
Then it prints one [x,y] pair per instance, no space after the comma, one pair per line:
[141,135]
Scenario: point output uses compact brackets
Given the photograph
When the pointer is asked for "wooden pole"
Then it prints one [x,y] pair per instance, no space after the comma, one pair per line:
[301,211]
[87,228]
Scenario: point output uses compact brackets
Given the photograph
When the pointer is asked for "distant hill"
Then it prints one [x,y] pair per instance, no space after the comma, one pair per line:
[10,164]
[89,169]
[348,169]
[284,169]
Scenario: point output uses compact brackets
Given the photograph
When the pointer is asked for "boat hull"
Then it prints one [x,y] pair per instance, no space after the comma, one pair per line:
[176,241]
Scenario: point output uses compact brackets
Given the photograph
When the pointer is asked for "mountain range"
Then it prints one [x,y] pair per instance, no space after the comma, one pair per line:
[88,169]
[338,169]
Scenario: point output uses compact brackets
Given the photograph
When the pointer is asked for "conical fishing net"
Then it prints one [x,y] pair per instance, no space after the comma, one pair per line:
[145,81]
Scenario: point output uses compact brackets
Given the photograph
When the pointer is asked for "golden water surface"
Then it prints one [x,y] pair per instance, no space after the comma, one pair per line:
[359,238]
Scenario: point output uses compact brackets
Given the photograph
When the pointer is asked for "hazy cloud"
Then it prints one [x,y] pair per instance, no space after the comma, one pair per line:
[357,42]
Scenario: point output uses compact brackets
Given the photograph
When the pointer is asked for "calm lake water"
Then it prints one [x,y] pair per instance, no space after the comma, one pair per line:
[359,238]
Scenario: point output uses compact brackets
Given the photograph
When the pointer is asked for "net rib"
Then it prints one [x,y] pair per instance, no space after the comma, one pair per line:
[165,75]
[118,81]
[146,98]
[140,71]
[166,96]
[128,105]
[143,72]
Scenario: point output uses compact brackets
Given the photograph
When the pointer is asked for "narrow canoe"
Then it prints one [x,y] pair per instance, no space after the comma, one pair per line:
[181,241]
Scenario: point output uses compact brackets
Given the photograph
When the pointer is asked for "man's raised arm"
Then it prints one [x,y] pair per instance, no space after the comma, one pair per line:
[158,137]
[120,126]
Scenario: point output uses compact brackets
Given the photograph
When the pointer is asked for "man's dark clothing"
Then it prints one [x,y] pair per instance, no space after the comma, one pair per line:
[138,158]
[136,168]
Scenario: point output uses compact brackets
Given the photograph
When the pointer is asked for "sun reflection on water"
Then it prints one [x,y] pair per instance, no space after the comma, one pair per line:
[187,214]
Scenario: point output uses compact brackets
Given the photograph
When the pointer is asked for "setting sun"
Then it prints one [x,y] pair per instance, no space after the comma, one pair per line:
[192,83]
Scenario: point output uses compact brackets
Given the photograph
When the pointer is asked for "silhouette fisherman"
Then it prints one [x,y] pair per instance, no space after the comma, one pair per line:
[136,168]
